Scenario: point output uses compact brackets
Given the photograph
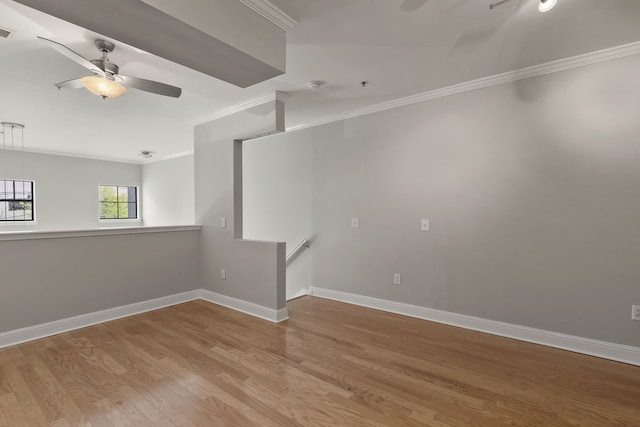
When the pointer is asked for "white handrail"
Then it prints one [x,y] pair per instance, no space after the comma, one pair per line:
[304,243]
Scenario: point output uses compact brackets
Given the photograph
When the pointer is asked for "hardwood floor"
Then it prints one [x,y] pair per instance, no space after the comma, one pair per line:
[331,364]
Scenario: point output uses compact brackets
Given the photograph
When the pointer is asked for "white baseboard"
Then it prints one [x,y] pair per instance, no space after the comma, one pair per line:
[71,323]
[245,306]
[43,330]
[603,349]
[300,293]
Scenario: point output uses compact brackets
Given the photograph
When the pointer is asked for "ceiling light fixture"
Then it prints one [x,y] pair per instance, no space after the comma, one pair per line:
[546,5]
[315,84]
[146,154]
[103,86]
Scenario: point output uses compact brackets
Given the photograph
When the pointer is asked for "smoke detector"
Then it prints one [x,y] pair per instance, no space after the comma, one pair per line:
[146,154]
[315,84]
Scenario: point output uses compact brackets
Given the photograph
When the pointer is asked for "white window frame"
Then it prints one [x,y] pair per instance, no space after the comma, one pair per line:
[123,220]
[23,223]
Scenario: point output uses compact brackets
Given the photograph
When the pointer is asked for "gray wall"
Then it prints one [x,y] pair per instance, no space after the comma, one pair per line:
[254,270]
[168,195]
[53,279]
[532,189]
[66,188]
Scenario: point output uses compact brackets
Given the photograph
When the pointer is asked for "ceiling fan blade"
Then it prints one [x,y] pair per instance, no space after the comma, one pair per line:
[151,86]
[70,84]
[412,5]
[74,56]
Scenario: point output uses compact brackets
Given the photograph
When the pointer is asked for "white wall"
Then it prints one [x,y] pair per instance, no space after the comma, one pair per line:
[531,188]
[66,188]
[168,195]
[277,178]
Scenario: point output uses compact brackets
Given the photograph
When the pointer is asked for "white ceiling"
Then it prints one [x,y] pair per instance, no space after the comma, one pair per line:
[402,47]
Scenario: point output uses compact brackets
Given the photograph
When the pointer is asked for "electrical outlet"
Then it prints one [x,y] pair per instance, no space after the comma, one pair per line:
[355,222]
[397,279]
[635,312]
[223,222]
[223,274]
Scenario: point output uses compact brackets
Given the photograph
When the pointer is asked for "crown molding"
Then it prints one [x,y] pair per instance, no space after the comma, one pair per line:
[485,82]
[167,157]
[244,105]
[76,155]
[267,10]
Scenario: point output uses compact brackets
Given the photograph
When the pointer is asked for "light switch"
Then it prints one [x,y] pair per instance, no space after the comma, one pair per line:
[223,222]
[424,225]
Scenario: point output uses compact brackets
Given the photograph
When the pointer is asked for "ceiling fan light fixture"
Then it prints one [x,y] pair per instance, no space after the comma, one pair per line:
[546,5]
[104,87]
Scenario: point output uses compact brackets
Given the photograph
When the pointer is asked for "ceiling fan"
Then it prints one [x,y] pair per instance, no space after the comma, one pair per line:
[105,81]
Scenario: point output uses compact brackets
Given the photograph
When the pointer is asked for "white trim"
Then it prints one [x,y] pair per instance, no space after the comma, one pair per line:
[43,330]
[244,105]
[167,157]
[617,352]
[301,293]
[603,349]
[119,221]
[81,156]
[250,308]
[282,315]
[274,15]
[139,162]
[59,326]
[497,79]
[107,231]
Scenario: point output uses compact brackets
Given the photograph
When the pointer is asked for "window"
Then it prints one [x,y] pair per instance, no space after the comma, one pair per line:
[118,202]
[16,200]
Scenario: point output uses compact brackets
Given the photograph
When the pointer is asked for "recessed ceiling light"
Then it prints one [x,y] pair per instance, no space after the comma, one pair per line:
[546,5]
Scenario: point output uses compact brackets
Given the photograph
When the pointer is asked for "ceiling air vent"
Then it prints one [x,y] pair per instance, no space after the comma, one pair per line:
[5,33]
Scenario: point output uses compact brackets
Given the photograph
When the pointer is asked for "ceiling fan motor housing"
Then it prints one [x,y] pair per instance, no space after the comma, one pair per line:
[105,46]
[106,66]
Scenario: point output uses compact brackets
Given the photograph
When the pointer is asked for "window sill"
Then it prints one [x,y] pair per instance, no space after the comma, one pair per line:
[119,221]
[107,231]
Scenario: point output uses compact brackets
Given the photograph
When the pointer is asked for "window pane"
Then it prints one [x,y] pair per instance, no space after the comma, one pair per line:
[19,190]
[8,190]
[23,190]
[132,195]
[3,210]
[123,211]
[108,193]
[108,210]
[28,211]
[28,190]
[123,194]
[132,210]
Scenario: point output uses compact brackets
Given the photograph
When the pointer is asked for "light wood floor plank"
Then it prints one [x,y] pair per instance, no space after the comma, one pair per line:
[198,364]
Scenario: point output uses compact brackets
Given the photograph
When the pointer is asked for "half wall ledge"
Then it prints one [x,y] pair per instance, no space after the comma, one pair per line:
[106,231]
